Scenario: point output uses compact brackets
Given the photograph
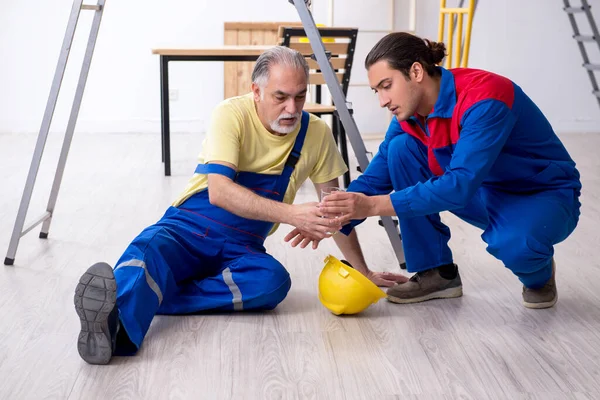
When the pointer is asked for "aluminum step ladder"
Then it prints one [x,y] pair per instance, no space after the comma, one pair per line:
[19,230]
[344,111]
[46,217]
[585,8]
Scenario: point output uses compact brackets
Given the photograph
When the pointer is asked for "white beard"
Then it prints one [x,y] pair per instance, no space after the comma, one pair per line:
[284,130]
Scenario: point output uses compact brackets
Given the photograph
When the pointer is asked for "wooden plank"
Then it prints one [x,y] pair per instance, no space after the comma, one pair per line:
[230,38]
[338,29]
[244,72]
[318,108]
[271,37]
[257,37]
[230,69]
[317,78]
[334,48]
[214,51]
[260,26]
[336,63]
[438,350]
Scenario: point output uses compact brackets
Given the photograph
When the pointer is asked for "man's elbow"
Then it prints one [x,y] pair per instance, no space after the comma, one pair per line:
[214,198]
[215,191]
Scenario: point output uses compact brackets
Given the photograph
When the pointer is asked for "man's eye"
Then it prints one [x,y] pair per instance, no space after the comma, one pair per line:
[387,86]
[280,98]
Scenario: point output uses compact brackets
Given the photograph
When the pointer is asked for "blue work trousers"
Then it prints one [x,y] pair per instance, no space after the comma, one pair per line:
[187,263]
[520,229]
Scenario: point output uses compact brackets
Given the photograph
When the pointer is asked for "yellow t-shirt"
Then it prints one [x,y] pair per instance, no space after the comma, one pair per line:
[237,136]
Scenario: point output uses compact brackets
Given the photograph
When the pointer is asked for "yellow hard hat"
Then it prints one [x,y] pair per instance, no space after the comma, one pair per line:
[344,290]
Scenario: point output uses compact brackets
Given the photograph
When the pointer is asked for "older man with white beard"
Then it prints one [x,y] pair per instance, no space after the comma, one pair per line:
[206,253]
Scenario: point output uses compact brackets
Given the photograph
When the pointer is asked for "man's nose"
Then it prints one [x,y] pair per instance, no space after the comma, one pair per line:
[291,107]
[383,100]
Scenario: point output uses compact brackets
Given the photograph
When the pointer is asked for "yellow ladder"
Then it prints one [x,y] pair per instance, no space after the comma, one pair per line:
[458,53]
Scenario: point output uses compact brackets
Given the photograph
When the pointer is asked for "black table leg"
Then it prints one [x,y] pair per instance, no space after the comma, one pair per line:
[164,109]
[344,151]
[335,128]
[162,112]
[342,142]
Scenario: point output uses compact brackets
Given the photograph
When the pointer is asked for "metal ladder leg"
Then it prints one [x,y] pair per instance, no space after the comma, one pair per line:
[87,61]
[581,39]
[342,108]
[18,230]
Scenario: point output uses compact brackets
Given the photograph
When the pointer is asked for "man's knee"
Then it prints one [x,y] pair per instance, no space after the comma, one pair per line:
[271,299]
[407,162]
[520,252]
[405,148]
[272,284]
[278,286]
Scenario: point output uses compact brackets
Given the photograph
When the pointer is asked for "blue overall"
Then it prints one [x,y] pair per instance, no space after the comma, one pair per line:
[488,155]
[199,257]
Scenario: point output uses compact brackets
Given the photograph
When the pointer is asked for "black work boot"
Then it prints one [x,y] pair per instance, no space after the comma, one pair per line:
[95,303]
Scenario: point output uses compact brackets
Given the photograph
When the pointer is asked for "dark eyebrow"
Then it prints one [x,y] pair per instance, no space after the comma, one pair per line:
[380,83]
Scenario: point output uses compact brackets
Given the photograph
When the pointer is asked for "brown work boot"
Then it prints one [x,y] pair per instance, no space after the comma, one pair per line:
[426,285]
[544,297]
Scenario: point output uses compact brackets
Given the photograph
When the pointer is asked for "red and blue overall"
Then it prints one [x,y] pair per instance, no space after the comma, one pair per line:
[487,154]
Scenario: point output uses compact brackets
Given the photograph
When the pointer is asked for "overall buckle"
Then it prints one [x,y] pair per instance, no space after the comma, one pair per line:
[292,159]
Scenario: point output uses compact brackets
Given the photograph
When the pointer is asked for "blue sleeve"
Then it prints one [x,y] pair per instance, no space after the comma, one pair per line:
[485,128]
[376,178]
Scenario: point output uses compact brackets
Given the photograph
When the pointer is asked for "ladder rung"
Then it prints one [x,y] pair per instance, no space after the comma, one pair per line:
[91,7]
[36,222]
[574,10]
[584,38]
[454,10]
[591,67]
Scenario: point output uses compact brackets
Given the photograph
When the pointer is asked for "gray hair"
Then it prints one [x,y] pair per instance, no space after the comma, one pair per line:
[278,55]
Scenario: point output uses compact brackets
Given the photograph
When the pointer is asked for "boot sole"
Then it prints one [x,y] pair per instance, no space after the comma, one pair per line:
[538,306]
[442,294]
[95,298]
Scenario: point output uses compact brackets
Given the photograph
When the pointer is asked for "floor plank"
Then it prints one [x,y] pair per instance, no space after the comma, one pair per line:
[483,345]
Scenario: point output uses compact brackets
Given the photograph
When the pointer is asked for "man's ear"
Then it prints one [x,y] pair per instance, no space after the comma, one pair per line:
[417,72]
[256,90]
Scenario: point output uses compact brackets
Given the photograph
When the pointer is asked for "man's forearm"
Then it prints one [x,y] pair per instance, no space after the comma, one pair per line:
[381,206]
[351,250]
[245,203]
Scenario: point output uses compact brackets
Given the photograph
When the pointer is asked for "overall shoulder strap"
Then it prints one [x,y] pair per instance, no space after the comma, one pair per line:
[292,160]
[296,151]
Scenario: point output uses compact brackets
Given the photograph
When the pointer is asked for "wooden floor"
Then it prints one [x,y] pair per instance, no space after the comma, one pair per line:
[485,345]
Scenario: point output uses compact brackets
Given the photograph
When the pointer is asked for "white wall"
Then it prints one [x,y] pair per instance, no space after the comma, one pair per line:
[537,51]
[122,94]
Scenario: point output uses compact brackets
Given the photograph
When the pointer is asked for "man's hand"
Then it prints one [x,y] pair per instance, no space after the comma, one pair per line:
[302,238]
[386,279]
[349,205]
[309,219]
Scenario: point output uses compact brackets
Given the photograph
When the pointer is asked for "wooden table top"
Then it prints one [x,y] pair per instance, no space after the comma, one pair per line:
[213,51]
